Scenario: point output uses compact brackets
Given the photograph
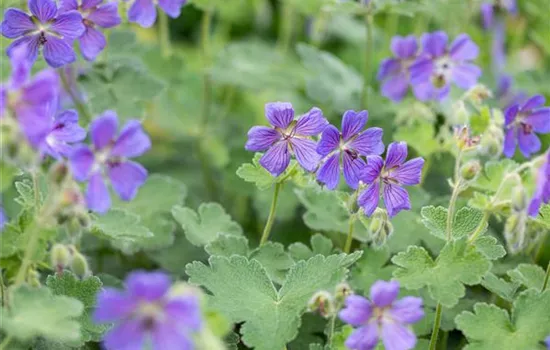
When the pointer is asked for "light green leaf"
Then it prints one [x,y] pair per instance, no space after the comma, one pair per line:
[36,312]
[7,174]
[122,228]
[543,219]
[242,291]
[493,174]
[489,246]
[465,222]
[8,244]
[84,290]
[372,266]
[228,245]
[504,289]
[528,275]
[457,259]
[421,136]
[256,174]
[319,245]
[490,327]
[201,228]
[274,259]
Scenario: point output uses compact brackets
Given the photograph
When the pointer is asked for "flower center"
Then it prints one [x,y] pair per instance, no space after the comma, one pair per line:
[442,71]
[387,178]
[150,314]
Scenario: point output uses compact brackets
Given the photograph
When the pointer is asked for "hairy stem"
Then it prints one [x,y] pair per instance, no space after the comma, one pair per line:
[546,278]
[437,324]
[349,239]
[164,35]
[286,26]
[479,227]
[83,112]
[271,217]
[369,51]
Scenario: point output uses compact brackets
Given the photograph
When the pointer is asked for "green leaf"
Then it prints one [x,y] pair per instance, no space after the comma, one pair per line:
[504,289]
[36,312]
[489,246]
[319,245]
[543,219]
[528,275]
[463,262]
[274,259]
[228,245]
[203,226]
[7,174]
[373,266]
[256,174]
[466,221]
[493,174]
[85,291]
[121,227]
[421,136]
[242,291]
[8,244]
[490,327]
[330,81]
[480,121]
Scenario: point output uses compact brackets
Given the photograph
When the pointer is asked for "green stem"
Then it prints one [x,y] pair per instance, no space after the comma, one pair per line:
[164,35]
[83,113]
[271,217]
[349,239]
[5,342]
[451,212]
[369,50]
[286,26]
[546,278]
[479,227]
[331,330]
[437,324]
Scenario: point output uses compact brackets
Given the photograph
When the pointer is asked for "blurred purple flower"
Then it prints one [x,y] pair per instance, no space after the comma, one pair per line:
[542,190]
[505,93]
[382,317]
[488,10]
[64,131]
[522,122]
[287,136]
[547,342]
[109,158]
[438,66]
[94,14]
[394,72]
[144,13]
[46,28]
[147,313]
[347,147]
[392,174]
[3,218]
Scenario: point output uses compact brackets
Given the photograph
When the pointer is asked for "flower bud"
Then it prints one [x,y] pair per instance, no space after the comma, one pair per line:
[323,302]
[519,198]
[342,291]
[60,257]
[460,113]
[470,170]
[464,140]
[79,265]
[514,232]
[33,278]
[58,173]
[478,94]
[380,227]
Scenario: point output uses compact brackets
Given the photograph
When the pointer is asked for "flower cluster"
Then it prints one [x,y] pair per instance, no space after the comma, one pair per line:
[431,69]
[382,317]
[149,311]
[355,151]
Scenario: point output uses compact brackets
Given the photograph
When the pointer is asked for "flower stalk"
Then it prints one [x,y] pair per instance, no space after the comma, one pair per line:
[369,51]
[349,239]
[272,211]
[80,106]
[164,35]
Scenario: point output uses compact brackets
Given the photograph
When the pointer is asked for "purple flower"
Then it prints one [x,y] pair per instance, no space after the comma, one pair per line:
[347,147]
[109,159]
[391,175]
[488,10]
[547,342]
[94,14]
[286,137]
[382,317]
[43,28]
[3,218]
[438,66]
[522,122]
[505,94]
[542,190]
[147,313]
[394,72]
[143,12]
[63,131]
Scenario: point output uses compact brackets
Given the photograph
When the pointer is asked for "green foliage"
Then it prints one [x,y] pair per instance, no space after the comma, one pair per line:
[504,289]
[319,245]
[255,173]
[420,136]
[528,275]
[7,174]
[36,312]
[493,174]
[373,265]
[242,291]
[203,226]
[466,221]
[462,261]
[228,245]
[490,327]
[85,291]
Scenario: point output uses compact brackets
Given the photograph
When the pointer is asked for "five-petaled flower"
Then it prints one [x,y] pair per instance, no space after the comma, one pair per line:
[94,14]
[286,137]
[394,72]
[542,189]
[346,148]
[144,13]
[382,317]
[109,159]
[438,66]
[148,314]
[521,124]
[45,28]
[391,175]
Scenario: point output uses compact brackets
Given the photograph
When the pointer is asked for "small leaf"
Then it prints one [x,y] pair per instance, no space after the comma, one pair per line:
[528,275]
[203,227]
[489,246]
[274,259]
[493,174]
[228,245]
[465,223]
[36,312]
[256,174]
[500,287]
[319,245]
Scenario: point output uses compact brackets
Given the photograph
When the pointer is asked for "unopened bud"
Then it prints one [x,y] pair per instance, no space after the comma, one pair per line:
[58,173]
[465,141]
[380,228]
[514,232]
[342,291]
[519,198]
[470,170]
[479,93]
[33,277]
[60,257]
[460,114]
[322,302]
[79,265]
